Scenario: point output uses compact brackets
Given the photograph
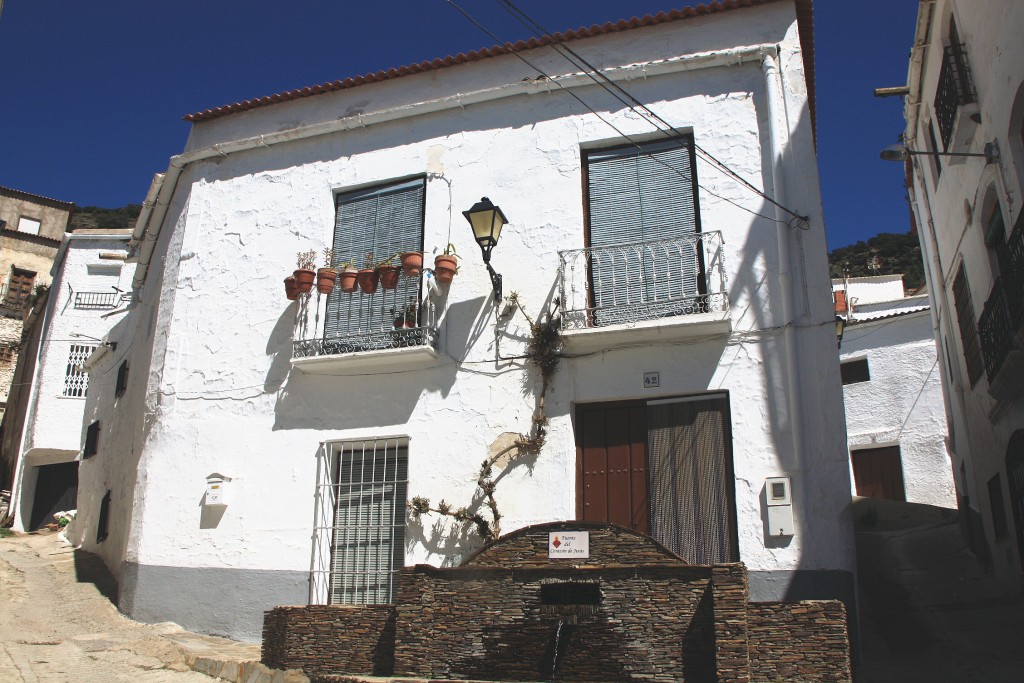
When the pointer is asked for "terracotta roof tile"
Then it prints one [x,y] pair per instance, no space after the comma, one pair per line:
[803,11]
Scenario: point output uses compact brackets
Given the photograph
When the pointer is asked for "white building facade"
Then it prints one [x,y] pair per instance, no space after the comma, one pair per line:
[267,448]
[892,389]
[966,96]
[89,293]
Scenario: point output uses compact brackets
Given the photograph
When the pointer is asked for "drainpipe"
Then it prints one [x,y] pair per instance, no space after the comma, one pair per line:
[150,222]
[773,89]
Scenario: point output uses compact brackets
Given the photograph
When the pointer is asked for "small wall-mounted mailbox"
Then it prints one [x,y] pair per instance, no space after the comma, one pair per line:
[779,493]
[216,489]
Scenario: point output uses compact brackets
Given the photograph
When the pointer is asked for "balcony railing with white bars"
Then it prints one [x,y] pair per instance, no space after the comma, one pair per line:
[627,283]
[386,319]
[96,300]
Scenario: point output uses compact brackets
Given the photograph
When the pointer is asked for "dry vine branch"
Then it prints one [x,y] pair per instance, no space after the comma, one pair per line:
[543,350]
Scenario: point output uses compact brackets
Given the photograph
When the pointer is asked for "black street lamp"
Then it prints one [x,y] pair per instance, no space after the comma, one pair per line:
[486,219]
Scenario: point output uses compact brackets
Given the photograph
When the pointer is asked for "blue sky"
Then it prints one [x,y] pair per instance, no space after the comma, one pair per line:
[94,92]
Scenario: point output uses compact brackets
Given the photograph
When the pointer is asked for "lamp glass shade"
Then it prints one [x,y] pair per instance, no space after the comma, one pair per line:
[894,153]
[486,219]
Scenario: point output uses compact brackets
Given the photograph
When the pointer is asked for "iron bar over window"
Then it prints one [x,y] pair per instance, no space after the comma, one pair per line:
[955,89]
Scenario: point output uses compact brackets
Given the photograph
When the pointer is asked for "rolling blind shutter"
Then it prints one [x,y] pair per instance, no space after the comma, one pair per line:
[382,220]
[640,196]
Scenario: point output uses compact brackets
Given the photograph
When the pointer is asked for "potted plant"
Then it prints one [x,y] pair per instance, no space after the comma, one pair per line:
[445,265]
[407,317]
[291,288]
[347,277]
[412,263]
[328,275]
[389,273]
[368,277]
[304,274]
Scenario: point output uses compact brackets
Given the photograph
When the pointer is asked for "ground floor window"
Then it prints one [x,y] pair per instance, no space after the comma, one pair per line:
[360,532]
[664,468]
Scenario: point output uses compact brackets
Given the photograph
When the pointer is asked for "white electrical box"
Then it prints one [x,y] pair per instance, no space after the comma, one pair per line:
[216,489]
[779,495]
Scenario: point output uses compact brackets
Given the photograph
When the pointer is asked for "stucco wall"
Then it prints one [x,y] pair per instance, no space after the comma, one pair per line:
[215,334]
[902,403]
[951,209]
[54,428]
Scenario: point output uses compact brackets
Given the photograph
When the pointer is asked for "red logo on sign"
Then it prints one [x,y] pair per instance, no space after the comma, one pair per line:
[556,542]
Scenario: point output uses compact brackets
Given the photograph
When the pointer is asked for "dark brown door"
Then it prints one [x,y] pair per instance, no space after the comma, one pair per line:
[878,473]
[611,465]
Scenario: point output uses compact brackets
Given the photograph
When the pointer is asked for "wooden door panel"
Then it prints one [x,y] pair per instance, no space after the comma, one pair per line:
[878,473]
[611,465]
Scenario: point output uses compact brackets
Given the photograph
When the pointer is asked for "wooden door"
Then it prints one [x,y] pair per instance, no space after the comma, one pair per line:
[878,473]
[611,465]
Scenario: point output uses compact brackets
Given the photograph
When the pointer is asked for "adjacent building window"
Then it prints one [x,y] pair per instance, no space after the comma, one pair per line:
[76,379]
[968,326]
[643,220]
[92,440]
[373,225]
[8,354]
[997,507]
[29,225]
[365,487]
[853,371]
[20,284]
[878,473]
[122,379]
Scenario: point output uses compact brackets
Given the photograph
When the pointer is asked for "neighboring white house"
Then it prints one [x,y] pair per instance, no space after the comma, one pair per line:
[265,449]
[895,416]
[966,96]
[89,292]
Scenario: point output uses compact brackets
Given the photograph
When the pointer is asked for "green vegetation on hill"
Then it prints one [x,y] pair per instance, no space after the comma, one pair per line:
[97,217]
[886,253]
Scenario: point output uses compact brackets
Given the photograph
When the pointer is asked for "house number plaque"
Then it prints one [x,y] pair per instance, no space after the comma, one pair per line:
[652,380]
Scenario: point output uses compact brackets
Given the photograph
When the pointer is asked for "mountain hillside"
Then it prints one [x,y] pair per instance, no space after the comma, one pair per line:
[86,217]
[886,253]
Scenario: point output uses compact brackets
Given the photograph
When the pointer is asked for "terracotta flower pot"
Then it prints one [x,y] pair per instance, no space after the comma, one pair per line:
[325,279]
[291,288]
[445,268]
[304,278]
[389,276]
[348,280]
[412,263]
[368,280]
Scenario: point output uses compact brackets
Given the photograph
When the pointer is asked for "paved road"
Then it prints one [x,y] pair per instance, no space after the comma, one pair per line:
[57,625]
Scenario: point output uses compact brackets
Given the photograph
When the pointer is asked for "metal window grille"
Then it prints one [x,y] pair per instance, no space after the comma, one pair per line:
[96,300]
[359,527]
[955,88]
[76,380]
[968,327]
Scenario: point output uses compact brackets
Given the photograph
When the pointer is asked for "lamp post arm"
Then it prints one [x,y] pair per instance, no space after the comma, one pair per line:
[495,282]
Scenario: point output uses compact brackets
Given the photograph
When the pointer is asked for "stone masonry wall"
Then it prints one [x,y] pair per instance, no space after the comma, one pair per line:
[330,639]
[804,641]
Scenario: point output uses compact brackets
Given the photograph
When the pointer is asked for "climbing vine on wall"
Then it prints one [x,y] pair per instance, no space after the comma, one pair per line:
[543,350]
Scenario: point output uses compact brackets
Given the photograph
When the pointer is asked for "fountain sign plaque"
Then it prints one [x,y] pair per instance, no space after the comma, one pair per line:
[568,544]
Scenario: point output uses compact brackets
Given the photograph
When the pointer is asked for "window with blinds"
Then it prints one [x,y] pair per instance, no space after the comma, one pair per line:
[368,490]
[643,195]
[76,379]
[375,224]
[968,325]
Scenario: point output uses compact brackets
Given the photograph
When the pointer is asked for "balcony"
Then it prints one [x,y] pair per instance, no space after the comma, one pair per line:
[1000,326]
[96,300]
[640,290]
[396,328]
[954,95]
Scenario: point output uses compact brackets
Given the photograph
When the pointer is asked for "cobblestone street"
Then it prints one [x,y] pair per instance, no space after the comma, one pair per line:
[56,624]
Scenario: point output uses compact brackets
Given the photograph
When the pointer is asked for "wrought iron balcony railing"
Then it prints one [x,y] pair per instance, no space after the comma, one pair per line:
[386,319]
[956,88]
[626,283]
[1004,311]
[96,300]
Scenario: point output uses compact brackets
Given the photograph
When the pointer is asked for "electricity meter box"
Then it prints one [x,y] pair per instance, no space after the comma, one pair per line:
[216,489]
[779,495]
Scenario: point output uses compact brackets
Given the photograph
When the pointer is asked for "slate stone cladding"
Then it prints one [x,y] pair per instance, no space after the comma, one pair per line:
[508,614]
[801,641]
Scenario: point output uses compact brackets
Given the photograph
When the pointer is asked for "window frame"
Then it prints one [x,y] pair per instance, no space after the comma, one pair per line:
[849,371]
[74,372]
[92,440]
